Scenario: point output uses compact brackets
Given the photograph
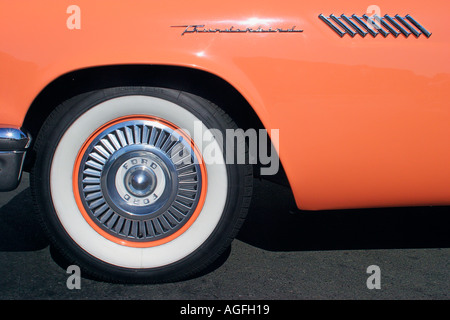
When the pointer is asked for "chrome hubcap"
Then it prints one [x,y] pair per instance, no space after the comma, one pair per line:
[139,180]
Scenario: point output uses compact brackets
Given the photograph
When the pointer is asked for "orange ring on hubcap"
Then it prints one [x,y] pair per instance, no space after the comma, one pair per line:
[146,244]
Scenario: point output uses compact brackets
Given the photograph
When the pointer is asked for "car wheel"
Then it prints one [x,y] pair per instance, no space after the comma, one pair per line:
[125,187]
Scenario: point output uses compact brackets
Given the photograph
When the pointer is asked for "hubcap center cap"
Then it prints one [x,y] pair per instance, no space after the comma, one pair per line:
[140,181]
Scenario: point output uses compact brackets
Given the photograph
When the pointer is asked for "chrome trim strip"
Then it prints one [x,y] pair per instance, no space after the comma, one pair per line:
[382,24]
[13,145]
[332,26]
[13,139]
[361,32]
[407,25]
[395,24]
[201,28]
[375,25]
[390,29]
[362,24]
[343,26]
[418,26]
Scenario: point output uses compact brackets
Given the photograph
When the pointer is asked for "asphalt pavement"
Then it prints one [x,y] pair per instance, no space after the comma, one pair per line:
[279,254]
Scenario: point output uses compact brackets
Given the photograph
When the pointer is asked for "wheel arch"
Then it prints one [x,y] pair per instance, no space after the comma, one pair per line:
[173,77]
[195,81]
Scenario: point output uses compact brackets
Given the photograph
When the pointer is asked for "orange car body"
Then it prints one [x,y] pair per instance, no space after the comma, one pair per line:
[363,121]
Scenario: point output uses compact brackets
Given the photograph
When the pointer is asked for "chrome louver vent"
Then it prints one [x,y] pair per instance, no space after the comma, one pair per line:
[375,25]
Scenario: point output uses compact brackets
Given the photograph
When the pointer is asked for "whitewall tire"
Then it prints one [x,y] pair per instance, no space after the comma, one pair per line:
[124,190]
